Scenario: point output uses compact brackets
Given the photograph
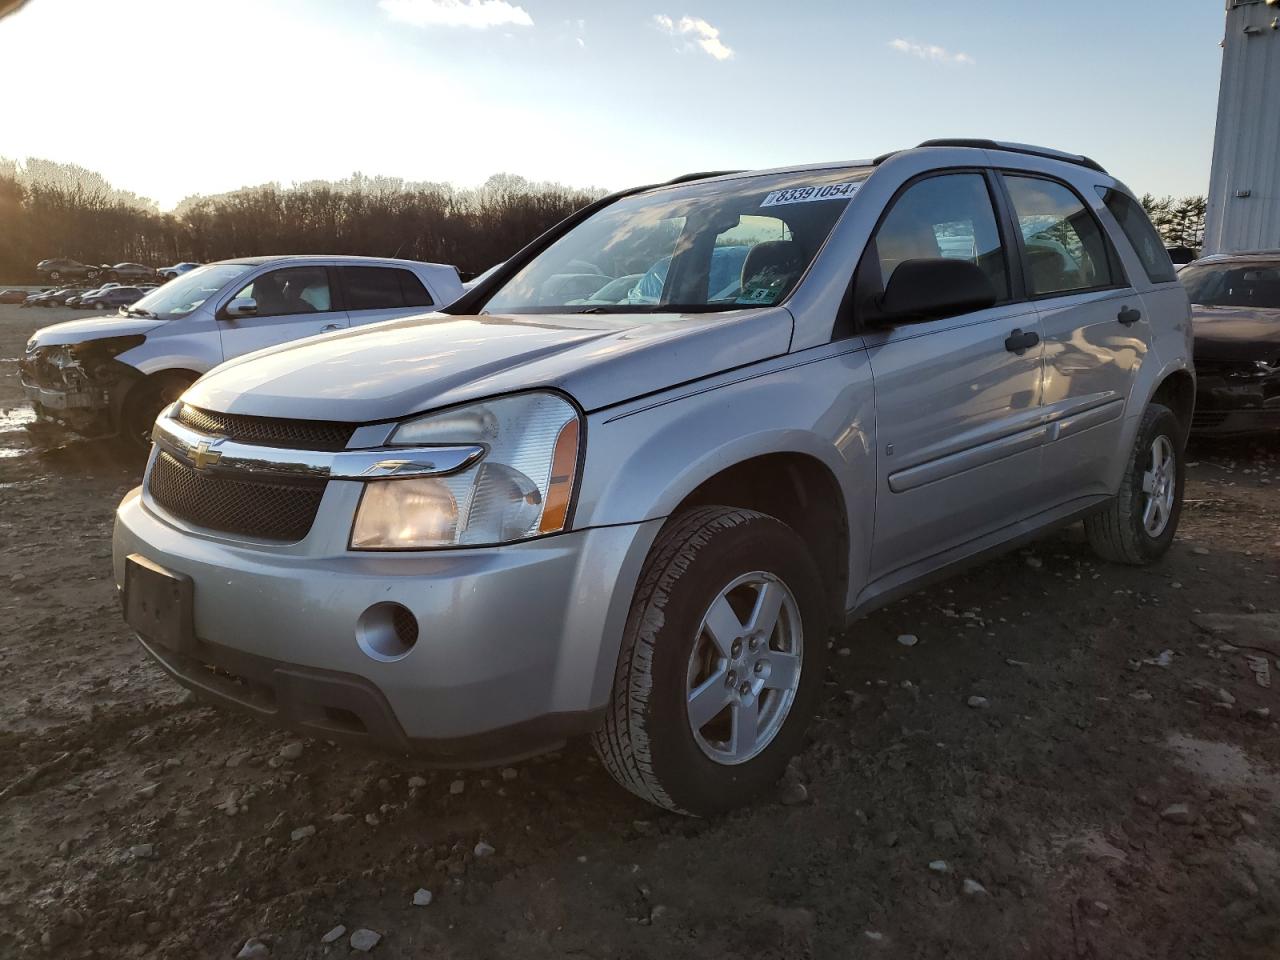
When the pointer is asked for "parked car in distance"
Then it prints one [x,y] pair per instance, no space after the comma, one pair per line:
[1235,304]
[110,299]
[581,500]
[113,376]
[13,295]
[78,302]
[31,298]
[59,298]
[63,268]
[176,270]
[128,271]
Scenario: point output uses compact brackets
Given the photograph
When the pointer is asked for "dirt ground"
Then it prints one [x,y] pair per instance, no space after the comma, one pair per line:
[1118,796]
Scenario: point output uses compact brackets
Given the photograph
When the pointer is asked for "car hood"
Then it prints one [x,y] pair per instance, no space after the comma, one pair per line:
[91,328]
[1236,333]
[401,367]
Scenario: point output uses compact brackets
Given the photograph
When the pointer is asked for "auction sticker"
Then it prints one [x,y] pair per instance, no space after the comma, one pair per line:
[829,191]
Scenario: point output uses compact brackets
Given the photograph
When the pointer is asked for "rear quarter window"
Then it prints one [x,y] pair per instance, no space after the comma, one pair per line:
[383,288]
[1141,234]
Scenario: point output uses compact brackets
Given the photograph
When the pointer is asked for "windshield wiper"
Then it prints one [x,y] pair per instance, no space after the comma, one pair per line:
[137,312]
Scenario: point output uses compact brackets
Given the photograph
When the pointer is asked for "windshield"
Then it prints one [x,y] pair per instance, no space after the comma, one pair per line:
[183,294]
[722,245]
[1233,284]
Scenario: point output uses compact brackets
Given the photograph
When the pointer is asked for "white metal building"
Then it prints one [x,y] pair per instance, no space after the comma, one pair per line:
[1243,210]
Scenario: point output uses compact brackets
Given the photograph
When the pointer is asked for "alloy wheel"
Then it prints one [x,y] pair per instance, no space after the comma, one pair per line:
[1159,486]
[744,669]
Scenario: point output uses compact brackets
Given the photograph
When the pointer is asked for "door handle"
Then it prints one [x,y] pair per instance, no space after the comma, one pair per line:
[330,327]
[1129,316]
[1020,342]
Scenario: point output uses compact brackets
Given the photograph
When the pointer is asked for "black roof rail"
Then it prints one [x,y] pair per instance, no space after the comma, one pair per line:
[1047,153]
[702,175]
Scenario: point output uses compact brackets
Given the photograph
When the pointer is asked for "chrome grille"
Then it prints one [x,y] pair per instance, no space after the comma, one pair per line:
[266,509]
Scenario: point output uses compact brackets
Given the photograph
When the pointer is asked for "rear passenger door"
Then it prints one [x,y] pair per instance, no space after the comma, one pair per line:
[1096,335]
[374,293]
[957,398]
[292,302]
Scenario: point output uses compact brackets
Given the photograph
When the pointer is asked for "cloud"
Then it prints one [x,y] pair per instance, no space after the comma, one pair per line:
[476,14]
[695,30]
[931,51]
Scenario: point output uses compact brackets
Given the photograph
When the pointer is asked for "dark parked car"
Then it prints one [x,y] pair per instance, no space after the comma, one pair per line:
[13,296]
[1235,304]
[59,298]
[62,268]
[128,271]
[31,299]
[111,298]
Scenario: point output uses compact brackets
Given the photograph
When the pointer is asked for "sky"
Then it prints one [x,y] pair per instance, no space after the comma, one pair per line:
[168,98]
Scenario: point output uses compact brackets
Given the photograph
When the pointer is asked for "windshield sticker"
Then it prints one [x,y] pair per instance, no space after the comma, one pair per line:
[829,191]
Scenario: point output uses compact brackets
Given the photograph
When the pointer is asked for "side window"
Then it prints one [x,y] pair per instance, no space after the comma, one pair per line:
[948,216]
[282,293]
[371,288]
[1141,234]
[411,288]
[382,288]
[1066,250]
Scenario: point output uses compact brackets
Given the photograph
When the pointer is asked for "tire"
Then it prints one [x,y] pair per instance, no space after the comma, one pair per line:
[146,401]
[647,741]
[1125,532]
[55,275]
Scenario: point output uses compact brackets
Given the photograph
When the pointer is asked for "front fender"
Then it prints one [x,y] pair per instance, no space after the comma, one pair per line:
[644,458]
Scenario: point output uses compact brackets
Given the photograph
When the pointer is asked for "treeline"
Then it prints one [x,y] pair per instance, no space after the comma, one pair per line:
[1180,221]
[53,210]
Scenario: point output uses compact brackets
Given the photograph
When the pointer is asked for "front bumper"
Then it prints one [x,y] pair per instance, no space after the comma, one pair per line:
[86,412]
[1236,405]
[516,650]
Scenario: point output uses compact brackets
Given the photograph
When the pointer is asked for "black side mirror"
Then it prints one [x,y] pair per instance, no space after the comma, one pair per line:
[929,289]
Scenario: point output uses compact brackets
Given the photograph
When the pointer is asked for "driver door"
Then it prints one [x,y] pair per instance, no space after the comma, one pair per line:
[292,302]
[957,398]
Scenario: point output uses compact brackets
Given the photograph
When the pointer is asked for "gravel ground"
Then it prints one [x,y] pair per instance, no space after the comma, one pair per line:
[1114,794]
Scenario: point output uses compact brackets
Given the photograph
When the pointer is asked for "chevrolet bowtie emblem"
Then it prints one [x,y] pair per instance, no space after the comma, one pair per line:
[204,455]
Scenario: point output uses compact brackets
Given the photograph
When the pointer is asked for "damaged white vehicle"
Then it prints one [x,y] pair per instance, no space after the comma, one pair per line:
[111,376]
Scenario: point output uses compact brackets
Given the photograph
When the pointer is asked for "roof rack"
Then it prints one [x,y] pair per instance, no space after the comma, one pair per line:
[703,175]
[1025,148]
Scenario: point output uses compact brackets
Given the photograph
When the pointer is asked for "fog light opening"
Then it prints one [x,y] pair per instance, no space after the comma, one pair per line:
[387,631]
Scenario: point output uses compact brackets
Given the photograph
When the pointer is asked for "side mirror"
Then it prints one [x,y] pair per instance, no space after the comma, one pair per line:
[241,307]
[929,289]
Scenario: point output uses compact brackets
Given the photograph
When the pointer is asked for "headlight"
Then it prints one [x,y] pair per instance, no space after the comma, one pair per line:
[521,488]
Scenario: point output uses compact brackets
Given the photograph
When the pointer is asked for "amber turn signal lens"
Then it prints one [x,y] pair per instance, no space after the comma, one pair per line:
[564,464]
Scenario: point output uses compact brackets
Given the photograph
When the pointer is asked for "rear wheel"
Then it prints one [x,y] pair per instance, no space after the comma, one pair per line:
[55,275]
[721,663]
[146,401]
[1139,524]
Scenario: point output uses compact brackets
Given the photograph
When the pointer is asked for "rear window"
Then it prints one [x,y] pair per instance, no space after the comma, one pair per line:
[1233,284]
[382,288]
[1141,234]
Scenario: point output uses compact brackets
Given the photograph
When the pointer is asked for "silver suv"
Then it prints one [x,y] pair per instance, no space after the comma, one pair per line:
[629,484]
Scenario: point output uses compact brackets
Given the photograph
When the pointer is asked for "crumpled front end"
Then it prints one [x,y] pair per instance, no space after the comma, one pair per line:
[80,386]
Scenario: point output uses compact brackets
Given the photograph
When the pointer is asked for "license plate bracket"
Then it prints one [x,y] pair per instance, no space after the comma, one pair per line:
[158,603]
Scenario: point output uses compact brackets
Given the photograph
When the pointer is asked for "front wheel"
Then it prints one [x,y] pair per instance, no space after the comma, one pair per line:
[55,275]
[145,402]
[721,663]
[1138,526]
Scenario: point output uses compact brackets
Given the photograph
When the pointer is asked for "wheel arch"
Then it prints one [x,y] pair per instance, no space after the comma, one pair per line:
[1177,391]
[797,489]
